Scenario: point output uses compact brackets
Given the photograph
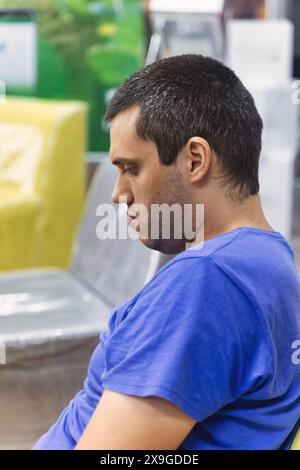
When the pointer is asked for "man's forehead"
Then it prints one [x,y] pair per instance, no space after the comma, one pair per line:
[126,146]
[123,135]
[125,120]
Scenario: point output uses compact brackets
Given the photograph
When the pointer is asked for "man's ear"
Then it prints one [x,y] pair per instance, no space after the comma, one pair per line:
[198,158]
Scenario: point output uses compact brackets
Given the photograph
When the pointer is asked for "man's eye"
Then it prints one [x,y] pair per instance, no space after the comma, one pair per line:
[130,169]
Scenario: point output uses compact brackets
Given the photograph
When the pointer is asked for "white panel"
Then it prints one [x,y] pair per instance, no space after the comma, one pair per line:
[18,54]
[213,7]
[260,50]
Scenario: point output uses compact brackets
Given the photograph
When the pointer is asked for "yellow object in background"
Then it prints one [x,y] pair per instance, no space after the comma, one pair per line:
[42,180]
[296,442]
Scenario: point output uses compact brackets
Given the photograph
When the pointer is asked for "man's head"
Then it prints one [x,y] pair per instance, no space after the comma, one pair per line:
[183,130]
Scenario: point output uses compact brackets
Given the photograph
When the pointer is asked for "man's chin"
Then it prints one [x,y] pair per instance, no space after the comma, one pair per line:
[168,247]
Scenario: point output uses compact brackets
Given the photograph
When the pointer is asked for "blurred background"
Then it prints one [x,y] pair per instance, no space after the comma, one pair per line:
[60,62]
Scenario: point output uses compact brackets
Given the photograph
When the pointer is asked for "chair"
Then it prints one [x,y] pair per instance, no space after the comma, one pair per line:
[296,441]
[50,320]
[42,180]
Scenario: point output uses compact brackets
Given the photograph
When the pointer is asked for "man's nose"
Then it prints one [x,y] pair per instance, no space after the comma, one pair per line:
[122,192]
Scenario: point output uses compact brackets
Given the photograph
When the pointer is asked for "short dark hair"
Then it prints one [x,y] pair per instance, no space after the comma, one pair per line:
[192,95]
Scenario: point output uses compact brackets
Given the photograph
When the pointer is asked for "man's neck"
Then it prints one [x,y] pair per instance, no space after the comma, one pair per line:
[229,216]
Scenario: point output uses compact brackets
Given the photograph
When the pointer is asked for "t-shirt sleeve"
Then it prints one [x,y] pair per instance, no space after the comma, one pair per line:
[189,338]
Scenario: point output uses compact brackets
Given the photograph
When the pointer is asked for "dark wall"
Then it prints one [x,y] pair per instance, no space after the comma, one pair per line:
[295,18]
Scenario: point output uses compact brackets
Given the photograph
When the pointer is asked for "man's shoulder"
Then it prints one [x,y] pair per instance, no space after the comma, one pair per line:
[243,249]
[200,259]
[241,260]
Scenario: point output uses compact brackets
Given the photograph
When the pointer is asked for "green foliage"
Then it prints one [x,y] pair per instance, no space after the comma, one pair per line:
[85,46]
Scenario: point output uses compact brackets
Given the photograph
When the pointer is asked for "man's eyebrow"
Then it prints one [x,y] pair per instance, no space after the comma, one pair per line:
[122,160]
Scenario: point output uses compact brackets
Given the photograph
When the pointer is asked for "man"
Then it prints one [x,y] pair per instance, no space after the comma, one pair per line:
[201,357]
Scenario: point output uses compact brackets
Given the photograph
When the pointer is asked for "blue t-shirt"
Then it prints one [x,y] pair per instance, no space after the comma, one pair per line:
[212,332]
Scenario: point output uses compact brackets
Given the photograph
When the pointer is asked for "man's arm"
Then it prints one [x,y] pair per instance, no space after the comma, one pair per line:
[135,423]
